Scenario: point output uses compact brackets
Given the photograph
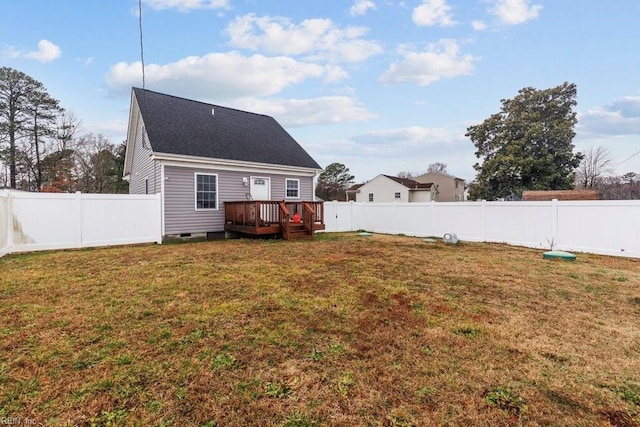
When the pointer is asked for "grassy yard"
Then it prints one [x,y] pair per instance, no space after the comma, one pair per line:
[340,331]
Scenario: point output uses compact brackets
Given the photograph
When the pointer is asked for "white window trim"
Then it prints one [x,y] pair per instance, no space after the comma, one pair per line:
[286,180]
[370,198]
[195,191]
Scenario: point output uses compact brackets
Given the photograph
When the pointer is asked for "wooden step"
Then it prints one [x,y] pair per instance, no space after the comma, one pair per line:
[297,232]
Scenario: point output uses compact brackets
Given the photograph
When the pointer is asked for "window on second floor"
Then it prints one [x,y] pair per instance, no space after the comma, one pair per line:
[371,197]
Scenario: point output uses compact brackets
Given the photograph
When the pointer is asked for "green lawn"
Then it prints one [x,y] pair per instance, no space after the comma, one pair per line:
[340,331]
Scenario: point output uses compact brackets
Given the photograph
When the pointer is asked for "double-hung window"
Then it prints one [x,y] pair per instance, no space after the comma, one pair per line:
[292,188]
[206,191]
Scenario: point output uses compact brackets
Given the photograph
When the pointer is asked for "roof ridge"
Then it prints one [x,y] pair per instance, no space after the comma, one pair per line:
[200,102]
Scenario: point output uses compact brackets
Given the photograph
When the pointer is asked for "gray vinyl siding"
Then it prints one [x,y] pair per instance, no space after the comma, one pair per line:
[179,199]
[142,167]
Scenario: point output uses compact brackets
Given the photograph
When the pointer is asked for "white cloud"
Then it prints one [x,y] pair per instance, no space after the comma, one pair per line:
[115,129]
[441,60]
[433,12]
[408,149]
[305,112]
[514,12]
[319,39]
[479,25]
[10,52]
[46,52]
[360,7]
[85,61]
[621,117]
[187,5]
[409,136]
[219,75]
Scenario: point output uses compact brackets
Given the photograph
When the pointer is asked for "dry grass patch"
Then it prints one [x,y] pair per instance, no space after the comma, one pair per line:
[343,330]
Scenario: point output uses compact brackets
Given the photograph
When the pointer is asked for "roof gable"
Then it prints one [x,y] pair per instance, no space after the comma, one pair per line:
[191,128]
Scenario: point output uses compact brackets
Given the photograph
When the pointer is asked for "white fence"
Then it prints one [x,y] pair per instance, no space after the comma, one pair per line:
[40,221]
[603,227]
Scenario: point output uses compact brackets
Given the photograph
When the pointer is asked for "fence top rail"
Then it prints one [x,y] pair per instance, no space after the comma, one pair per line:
[495,203]
[96,196]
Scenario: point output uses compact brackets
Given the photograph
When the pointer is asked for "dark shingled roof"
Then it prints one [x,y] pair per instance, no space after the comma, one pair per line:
[185,127]
[410,183]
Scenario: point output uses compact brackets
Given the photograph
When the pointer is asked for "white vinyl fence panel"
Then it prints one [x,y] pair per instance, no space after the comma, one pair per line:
[41,221]
[4,222]
[603,227]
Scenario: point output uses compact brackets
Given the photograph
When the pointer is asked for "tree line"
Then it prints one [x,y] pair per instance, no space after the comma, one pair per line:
[42,147]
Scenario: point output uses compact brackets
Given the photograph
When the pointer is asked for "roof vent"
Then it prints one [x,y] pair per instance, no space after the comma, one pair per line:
[213,112]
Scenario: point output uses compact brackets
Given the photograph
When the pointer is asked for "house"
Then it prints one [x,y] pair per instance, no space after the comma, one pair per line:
[352,191]
[450,188]
[203,158]
[387,189]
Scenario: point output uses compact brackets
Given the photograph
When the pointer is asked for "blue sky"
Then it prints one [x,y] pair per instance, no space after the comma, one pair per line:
[382,86]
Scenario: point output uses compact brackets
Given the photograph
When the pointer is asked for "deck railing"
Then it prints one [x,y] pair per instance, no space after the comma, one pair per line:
[254,213]
[261,215]
[308,218]
[285,214]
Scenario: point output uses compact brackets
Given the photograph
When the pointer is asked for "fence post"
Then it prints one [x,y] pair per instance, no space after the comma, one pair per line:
[9,224]
[350,215]
[77,210]
[432,207]
[159,206]
[554,222]
[484,220]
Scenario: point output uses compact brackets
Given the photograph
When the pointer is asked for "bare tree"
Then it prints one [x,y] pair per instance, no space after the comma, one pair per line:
[438,167]
[68,125]
[95,164]
[406,174]
[595,164]
[625,187]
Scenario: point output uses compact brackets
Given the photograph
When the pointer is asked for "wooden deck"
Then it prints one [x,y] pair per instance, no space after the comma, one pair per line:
[293,220]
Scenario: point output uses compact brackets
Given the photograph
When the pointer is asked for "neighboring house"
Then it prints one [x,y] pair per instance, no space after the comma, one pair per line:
[199,156]
[352,191]
[450,188]
[387,189]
